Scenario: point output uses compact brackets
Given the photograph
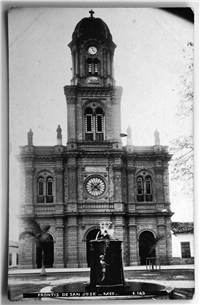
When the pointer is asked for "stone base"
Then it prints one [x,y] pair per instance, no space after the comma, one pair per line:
[26,267]
[84,265]
[58,265]
[133,264]
[73,265]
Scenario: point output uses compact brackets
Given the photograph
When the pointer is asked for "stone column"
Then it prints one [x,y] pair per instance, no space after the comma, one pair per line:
[161,245]
[159,183]
[169,241]
[116,113]
[166,183]
[59,183]
[103,64]
[59,245]
[117,169]
[77,62]
[26,248]
[108,62]
[29,185]
[70,93]
[120,234]
[79,125]
[133,244]
[72,246]
[72,187]
[82,62]
[131,188]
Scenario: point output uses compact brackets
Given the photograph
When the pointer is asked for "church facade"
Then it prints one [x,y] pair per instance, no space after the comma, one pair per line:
[94,178]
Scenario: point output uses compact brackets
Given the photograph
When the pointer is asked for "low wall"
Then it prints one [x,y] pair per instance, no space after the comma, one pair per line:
[183,261]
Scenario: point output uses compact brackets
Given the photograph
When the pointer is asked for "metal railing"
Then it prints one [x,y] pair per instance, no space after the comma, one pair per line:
[153,263]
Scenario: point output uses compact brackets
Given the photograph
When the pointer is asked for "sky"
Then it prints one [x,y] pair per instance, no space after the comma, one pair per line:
[148,63]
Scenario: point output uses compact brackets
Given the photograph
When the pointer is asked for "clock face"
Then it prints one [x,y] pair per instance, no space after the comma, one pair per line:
[95,186]
[92,50]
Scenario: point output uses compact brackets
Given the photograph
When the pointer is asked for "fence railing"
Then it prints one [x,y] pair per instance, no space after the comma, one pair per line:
[153,263]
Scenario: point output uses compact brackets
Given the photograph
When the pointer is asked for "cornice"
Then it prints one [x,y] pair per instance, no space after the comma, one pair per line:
[75,91]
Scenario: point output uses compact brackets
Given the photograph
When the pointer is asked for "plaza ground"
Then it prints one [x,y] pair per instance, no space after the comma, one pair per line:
[180,277]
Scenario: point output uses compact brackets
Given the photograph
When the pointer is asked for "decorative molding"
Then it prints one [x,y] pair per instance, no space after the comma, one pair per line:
[29,170]
[71,167]
[58,171]
[70,91]
[131,170]
[117,167]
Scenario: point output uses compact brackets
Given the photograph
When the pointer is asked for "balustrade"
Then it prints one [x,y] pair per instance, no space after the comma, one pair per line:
[94,206]
[45,208]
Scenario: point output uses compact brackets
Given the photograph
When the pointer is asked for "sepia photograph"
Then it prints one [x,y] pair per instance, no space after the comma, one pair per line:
[101,145]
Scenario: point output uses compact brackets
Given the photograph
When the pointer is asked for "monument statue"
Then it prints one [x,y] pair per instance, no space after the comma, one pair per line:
[105,260]
[59,135]
[59,132]
[129,136]
[30,137]
[157,137]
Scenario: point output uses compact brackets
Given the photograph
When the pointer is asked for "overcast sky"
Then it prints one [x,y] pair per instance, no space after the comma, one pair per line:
[149,61]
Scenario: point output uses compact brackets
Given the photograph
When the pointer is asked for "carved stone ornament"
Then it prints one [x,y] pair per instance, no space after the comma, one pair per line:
[95,186]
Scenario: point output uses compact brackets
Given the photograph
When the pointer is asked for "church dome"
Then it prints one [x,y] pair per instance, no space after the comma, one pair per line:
[91,25]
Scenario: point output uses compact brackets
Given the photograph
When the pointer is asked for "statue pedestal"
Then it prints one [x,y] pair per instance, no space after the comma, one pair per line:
[106,272]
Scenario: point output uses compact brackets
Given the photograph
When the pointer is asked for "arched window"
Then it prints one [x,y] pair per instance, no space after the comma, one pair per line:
[45,190]
[148,187]
[49,190]
[89,124]
[144,189]
[94,124]
[89,66]
[140,189]
[93,66]
[41,190]
[99,124]
[96,66]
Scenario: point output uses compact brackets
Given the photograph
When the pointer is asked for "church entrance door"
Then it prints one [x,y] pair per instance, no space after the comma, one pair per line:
[91,236]
[146,246]
[48,254]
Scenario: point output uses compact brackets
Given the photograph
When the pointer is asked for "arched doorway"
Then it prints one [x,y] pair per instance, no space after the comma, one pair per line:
[146,246]
[48,254]
[91,236]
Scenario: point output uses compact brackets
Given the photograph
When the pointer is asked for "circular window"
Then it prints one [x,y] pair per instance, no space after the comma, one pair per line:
[95,186]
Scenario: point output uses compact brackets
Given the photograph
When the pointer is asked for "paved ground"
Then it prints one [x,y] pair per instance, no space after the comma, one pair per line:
[15,271]
[179,277]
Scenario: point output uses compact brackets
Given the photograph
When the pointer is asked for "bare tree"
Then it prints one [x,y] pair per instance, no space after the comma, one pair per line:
[183,146]
[38,235]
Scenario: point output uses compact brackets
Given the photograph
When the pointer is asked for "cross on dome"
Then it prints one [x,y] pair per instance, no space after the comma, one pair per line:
[91,13]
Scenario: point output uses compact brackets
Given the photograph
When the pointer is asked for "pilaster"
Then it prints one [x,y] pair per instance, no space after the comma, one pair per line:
[59,182]
[159,183]
[161,246]
[72,185]
[29,195]
[120,234]
[132,240]
[59,246]
[117,170]
[72,247]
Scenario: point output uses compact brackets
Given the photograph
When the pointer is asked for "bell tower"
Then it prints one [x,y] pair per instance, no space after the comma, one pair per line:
[93,179]
[93,100]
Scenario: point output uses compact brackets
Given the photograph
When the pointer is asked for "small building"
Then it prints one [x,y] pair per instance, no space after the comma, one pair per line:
[13,255]
[183,242]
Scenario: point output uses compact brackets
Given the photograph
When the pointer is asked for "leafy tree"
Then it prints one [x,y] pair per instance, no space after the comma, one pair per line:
[38,235]
[183,147]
